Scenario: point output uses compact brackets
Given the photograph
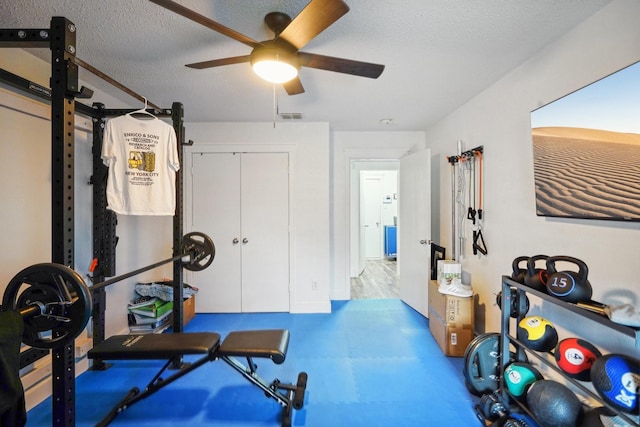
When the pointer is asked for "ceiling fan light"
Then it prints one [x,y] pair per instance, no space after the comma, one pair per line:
[274,66]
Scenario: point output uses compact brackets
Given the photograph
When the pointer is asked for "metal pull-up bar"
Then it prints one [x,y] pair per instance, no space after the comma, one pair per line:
[90,68]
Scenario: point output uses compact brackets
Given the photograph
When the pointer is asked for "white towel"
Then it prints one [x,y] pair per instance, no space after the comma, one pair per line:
[625,314]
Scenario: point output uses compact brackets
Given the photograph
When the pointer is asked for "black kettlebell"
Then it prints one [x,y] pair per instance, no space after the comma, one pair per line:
[536,278]
[569,286]
[518,273]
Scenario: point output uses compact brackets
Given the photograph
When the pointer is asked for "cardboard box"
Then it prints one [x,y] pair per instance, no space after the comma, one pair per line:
[188,309]
[450,320]
[450,308]
[452,340]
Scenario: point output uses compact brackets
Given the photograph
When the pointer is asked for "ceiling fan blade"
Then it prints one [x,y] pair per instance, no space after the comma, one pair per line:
[340,65]
[219,62]
[293,87]
[207,22]
[312,20]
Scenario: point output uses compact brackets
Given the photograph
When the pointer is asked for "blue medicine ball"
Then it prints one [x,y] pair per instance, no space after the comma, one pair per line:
[616,378]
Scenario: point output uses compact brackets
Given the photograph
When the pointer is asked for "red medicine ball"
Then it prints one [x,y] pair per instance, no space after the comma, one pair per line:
[575,357]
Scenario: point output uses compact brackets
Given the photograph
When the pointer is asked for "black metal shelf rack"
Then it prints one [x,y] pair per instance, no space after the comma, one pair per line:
[509,340]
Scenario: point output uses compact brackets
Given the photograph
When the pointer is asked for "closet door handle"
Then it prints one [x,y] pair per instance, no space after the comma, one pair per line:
[245,240]
[235,241]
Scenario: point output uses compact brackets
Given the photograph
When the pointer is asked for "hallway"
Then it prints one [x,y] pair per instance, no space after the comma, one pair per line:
[379,280]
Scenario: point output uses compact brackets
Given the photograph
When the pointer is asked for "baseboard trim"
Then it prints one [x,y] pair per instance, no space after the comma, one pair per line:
[312,307]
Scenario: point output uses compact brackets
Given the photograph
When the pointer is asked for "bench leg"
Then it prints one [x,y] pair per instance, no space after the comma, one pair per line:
[292,398]
[154,385]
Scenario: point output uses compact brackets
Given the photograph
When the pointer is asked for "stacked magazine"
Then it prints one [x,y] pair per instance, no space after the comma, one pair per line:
[149,315]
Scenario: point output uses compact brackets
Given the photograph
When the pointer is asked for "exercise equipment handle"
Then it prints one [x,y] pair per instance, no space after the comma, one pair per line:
[583,270]
[298,397]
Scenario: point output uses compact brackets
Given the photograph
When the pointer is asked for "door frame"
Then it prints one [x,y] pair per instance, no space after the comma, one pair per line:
[243,148]
[352,158]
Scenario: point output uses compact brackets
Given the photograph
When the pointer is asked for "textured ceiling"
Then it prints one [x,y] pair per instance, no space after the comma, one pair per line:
[437,53]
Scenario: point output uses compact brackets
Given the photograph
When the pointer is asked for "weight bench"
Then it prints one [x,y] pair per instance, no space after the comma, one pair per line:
[269,344]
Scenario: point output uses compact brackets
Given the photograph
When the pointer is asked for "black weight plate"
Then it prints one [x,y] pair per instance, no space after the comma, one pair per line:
[201,248]
[516,309]
[481,368]
[69,302]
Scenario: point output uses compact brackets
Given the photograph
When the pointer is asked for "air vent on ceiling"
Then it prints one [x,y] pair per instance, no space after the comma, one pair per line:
[291,116]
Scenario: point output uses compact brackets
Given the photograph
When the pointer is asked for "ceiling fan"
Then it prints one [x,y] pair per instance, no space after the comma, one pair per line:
[283,51]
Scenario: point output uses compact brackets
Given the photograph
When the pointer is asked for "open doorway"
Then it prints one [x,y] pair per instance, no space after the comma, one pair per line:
[414,217]
[374,212]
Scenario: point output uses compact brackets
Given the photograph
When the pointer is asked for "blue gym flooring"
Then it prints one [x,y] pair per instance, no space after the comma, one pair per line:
[370,363]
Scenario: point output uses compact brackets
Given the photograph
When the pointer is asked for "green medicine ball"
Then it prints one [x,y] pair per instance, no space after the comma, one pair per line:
[518,376]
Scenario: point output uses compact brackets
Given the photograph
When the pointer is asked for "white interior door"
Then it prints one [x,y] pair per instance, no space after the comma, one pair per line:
[371,201]
[265,232]
[216,212]
[414,229]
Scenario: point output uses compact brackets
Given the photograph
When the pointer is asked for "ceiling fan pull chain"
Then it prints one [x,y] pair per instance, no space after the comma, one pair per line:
[275,106]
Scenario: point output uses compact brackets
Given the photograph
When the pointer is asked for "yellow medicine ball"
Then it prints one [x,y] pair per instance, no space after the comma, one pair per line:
[537,333]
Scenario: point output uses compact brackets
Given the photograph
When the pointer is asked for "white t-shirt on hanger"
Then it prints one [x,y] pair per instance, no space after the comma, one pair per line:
[142,157]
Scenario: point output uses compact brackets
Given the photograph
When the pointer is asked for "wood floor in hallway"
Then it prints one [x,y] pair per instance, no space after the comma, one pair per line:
[379,280]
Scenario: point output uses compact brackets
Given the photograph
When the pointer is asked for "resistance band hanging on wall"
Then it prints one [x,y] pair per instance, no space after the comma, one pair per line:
[478,238]
[467,185]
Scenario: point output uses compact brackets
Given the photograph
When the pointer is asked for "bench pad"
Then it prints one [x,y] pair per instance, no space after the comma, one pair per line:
[267,343]
[155,346]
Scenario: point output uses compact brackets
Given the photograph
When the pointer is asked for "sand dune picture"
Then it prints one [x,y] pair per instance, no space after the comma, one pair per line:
[586,150]
[586,173]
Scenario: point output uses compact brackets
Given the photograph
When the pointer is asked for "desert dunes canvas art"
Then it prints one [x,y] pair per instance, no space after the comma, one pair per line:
[586,151]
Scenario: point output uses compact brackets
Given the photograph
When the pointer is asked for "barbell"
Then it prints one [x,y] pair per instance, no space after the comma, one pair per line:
[55,302]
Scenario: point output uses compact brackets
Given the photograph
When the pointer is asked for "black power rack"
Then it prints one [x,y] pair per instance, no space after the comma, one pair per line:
[60,38]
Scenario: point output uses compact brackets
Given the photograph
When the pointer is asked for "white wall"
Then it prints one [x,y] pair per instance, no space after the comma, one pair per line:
[25,185]
[499,119]
[348,147]
[309,195]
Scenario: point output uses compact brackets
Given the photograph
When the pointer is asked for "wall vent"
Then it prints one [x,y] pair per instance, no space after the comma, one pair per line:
[291,116]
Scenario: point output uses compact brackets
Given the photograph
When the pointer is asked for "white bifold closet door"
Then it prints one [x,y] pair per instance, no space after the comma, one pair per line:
[241,200]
